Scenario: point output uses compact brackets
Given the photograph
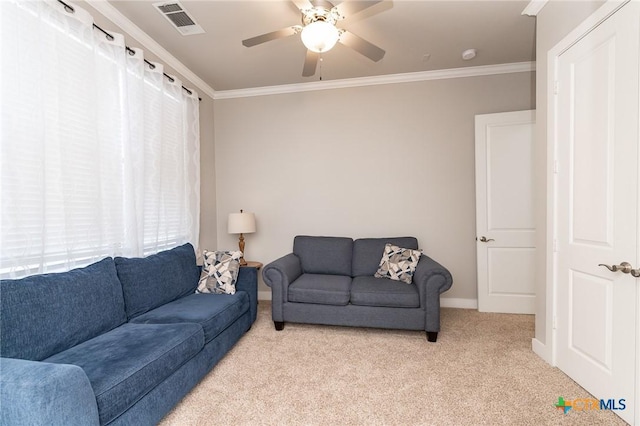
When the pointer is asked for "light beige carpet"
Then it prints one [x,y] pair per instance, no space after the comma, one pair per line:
[480,372]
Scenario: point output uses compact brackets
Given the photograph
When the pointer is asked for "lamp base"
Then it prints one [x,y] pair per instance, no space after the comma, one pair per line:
[241,247]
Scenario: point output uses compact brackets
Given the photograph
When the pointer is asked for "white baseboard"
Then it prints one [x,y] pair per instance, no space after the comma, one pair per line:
[454,302]
[445,302]
[264,295]
[540,349]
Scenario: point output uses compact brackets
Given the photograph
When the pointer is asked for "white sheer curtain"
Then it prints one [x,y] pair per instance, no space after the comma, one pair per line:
[99,152]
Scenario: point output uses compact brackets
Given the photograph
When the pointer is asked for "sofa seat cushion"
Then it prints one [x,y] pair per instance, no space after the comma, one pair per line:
[321,289]
[371,291]
[214,312]
[124,364]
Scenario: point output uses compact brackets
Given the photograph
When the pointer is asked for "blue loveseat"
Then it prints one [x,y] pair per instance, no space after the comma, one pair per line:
[120,341]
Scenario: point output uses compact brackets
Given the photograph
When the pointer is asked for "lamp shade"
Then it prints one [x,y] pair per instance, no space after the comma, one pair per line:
[242,223]
[320,36]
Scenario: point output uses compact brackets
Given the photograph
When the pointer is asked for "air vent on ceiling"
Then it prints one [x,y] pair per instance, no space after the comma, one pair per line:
[179,18]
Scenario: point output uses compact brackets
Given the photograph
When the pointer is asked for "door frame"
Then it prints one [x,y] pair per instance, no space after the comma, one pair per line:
[548,350]
[520,303]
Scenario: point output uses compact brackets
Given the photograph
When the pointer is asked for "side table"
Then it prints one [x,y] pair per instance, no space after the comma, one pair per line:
[252,264]
[257,266]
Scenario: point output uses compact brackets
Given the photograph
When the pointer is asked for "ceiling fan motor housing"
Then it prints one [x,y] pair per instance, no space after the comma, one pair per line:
[325,12]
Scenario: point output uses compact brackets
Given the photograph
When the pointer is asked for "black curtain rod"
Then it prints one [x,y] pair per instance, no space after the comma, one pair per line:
[131,52]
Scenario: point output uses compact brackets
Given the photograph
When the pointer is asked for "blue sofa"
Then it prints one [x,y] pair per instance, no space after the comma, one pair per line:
[330,280]
[120,341]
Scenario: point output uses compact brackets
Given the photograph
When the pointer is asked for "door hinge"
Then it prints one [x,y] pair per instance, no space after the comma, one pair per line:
[555,167]
[554,322]
[556,87]
[555,245]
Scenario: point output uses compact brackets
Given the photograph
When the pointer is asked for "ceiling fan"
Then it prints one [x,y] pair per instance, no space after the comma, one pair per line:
[319,32]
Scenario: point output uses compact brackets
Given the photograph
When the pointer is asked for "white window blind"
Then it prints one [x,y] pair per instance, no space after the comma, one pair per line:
[99,152]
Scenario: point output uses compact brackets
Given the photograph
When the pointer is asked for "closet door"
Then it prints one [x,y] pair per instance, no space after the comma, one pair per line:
[596,138]
[505,225]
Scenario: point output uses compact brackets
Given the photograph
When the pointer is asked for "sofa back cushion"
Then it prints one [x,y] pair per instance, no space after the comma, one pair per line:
[152,281]
[367,252]
[324,255]
[49,313]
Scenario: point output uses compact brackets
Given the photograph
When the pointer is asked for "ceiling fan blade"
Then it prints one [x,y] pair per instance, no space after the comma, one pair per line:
[310,64]
[274,35]
[302,4]
[325,4]
[361,46]
[348,8]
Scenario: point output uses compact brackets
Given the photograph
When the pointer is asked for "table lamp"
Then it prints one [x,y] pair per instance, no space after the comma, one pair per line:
[242,223]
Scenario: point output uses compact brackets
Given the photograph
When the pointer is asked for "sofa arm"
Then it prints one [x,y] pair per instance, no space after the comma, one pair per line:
[283,271]
[431,273]
[248,282]
[278,275]
[432,279]
[41,393]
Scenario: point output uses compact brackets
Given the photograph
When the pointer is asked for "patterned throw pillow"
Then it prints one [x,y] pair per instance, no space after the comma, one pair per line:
[398,263]
[219,272]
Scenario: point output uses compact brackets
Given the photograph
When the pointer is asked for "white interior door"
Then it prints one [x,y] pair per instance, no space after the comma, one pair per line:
[504,212]
[596,145]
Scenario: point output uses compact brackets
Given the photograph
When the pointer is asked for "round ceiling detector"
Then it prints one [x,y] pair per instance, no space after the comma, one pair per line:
[469,54]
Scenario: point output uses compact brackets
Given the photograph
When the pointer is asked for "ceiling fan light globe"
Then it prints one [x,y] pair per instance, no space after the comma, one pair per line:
[320,36]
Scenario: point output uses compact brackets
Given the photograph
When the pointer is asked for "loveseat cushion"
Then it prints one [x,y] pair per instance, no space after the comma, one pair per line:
[321,289]
[371,291]
[152,281]
[49,313]
[126,363]
[324,255]
[367,252]
[214,312]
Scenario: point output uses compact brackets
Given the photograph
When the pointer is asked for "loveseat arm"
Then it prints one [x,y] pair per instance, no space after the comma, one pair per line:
[278,275]
[42,393]
[432,279]
[431,273]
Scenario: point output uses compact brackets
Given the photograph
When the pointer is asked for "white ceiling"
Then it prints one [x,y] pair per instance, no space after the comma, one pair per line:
[406,30]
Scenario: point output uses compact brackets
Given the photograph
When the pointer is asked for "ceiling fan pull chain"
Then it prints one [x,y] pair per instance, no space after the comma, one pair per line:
[321,60]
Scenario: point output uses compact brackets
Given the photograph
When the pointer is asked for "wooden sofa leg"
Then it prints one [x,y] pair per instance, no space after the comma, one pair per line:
[279,325]
[432,336]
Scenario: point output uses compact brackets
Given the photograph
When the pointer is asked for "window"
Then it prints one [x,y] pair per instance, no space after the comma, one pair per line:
[99,151]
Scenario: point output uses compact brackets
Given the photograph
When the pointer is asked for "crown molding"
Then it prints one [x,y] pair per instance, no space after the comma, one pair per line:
[114,15]
[378,80]
[150,44]
[534,7]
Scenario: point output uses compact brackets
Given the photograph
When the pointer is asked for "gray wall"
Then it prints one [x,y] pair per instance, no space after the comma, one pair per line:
[382,160]
[208,212]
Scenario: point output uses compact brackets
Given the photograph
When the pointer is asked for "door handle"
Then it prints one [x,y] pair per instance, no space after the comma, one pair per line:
[624,267]
[484,239]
